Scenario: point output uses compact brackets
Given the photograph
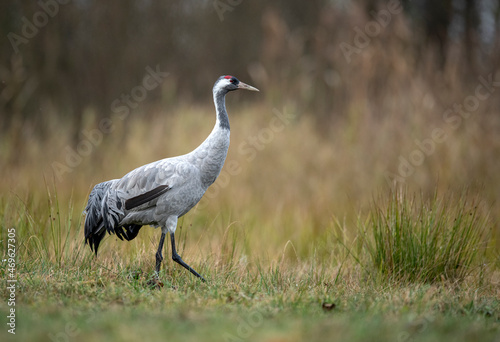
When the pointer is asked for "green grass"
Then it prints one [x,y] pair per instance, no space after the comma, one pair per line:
[115,307]
[64,294]
[427,241]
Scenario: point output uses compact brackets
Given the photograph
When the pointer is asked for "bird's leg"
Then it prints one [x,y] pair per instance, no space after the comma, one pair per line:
[176,257]
[159,256]
[155,281]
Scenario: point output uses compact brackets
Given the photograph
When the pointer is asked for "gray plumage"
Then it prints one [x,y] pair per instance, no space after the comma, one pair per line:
[157,194]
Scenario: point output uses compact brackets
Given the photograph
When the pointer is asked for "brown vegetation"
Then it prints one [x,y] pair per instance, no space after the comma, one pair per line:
[356,97]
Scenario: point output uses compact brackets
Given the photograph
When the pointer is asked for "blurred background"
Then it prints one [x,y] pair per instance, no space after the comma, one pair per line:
[368,95]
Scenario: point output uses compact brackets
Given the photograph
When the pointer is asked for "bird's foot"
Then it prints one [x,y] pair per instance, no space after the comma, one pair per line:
[155,282]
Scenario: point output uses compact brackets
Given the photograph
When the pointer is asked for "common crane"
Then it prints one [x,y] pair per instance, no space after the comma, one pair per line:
[157,194]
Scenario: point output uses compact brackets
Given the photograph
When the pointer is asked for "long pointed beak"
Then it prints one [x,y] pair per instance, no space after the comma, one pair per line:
[242,85]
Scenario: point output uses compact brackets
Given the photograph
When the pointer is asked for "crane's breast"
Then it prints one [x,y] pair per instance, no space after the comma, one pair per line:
[179,201]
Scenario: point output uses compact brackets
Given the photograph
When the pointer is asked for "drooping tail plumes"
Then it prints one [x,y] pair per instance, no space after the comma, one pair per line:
[112,211]
[103,214]
[94,219]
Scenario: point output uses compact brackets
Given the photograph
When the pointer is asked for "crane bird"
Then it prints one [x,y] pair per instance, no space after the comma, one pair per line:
[157,194]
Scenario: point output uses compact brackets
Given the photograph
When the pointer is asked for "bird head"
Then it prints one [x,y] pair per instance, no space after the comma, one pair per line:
[228,83]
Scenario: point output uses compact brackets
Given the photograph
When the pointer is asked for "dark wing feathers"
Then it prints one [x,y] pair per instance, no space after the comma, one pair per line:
[104,210]
[146,197]
[129,232]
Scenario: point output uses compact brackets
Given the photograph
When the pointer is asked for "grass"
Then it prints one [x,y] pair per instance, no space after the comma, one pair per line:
[64,294]
[415,241]
[252,307]
[292,243]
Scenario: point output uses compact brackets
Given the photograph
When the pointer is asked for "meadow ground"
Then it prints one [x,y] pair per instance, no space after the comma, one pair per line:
[302,237]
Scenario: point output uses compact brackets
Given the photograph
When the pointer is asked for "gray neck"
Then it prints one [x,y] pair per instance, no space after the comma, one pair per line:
[211,154]
[220,108]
